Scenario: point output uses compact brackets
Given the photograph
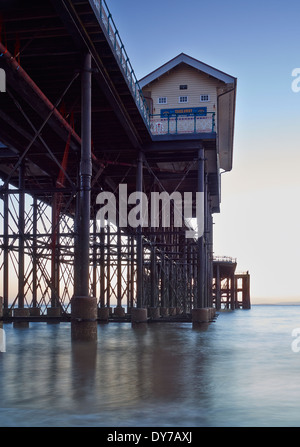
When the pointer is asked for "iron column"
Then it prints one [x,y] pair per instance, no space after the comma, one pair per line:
[84,307]
[139,313]
[6,253]
[139,244]
[200,314]
[200,260]
[85,181]
[21,235]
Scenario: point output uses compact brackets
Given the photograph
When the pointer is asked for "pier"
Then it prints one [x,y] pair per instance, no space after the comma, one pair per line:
[231,289]
[78,132]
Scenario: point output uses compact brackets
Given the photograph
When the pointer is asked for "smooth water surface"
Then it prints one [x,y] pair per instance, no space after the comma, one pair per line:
[239,371]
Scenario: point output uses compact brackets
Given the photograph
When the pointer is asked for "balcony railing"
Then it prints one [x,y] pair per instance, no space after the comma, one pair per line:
[104,15]
[182,124]
[225,259]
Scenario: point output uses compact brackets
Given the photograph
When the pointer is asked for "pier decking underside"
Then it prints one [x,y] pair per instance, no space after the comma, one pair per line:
[42,45]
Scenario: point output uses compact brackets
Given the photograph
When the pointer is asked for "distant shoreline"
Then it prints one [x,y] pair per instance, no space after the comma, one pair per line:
[288,303]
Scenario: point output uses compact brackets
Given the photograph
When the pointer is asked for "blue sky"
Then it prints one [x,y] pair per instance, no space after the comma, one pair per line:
[259,43]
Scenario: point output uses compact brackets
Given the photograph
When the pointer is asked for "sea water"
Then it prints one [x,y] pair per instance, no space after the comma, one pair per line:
[241,370]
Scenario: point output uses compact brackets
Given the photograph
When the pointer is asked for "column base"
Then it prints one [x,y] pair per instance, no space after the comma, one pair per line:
[53,312]
[139,315]
[212,313]
[119,312]
[84,318]
[154,313]
[103,314]
[164,311]
[35,311]
[21,312]
[201,315]
[7,313]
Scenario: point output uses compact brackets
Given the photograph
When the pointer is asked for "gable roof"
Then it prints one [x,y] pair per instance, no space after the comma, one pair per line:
[185,59]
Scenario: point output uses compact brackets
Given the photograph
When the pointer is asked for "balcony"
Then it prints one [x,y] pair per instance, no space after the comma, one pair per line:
[186,123]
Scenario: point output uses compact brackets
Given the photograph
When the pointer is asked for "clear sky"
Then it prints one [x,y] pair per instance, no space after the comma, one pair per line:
[259,43]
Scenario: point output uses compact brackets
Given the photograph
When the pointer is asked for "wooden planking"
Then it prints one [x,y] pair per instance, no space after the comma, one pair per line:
[168,86]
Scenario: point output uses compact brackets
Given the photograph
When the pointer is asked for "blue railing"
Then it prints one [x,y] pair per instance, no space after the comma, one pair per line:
[182,123]
[104,14]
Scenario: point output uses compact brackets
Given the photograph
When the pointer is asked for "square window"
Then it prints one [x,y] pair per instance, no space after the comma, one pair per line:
[183,99]
[162,100]
[183,87]
[204,98]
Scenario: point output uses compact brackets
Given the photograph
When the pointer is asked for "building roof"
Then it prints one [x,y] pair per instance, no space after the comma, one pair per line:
[185,59]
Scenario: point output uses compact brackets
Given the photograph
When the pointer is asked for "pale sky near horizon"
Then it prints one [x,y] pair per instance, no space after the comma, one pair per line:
[257,42]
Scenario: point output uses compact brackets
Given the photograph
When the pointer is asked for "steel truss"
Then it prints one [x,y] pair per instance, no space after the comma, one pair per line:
[37,255]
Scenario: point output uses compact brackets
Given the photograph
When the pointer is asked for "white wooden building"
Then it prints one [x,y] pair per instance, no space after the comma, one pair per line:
[186,96]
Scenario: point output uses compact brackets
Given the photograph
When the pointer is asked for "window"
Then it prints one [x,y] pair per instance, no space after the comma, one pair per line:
[183,87]
[204,98]
[162,100]
[183,99]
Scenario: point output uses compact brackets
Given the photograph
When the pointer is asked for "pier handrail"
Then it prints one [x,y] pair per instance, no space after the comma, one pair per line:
[189,122]
[224,259]
[109,26]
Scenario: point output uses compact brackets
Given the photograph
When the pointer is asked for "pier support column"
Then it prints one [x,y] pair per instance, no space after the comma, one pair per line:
[84,318]
[119,311]
[200,260]
[103,314]
[21,277]
[1,310]
[55,254]
[153,276]
[154,313]
[139,315]
[232,292]
[84,307]
[218,287]
[21,312]
[139,240]
[54,314]
[5,253]
[201,315]
[34,311]
[102,269]
[246,292]
[200,299]
[164,311]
